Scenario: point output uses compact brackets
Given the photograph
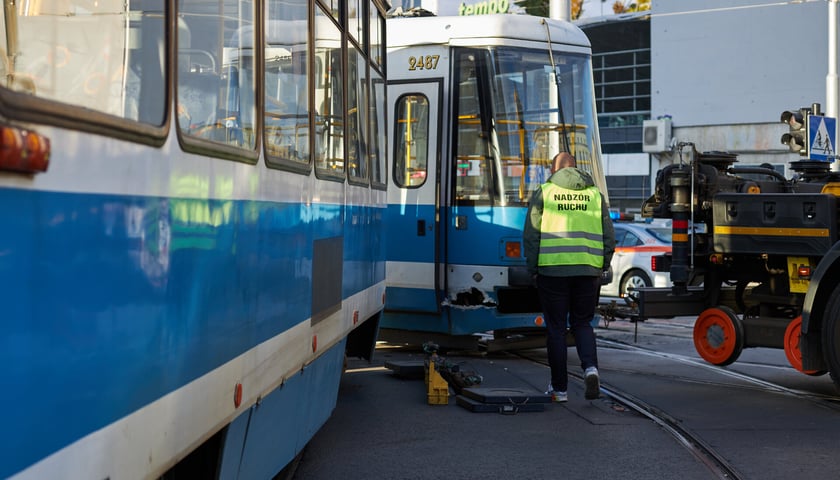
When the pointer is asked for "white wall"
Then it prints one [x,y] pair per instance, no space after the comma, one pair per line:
[715,62]
[726,69]
[626,163]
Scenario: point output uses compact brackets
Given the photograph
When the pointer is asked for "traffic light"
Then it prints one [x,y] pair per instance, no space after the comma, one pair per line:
[797,138]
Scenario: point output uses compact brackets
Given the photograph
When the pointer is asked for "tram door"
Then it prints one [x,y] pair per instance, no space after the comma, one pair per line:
[489,188]
[413,223]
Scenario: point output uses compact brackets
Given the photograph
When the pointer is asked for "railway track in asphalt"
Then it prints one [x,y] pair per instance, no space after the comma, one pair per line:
[746,381]
[744,421]
[705,454]
[680,371]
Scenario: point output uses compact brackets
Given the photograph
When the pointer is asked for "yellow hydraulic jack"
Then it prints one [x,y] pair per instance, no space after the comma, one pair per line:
[437,388]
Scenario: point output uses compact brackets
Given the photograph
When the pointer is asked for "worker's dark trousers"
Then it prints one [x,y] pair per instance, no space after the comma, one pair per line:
[573,298]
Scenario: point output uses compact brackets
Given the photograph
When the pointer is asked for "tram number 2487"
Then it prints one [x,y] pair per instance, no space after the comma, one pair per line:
[428,62]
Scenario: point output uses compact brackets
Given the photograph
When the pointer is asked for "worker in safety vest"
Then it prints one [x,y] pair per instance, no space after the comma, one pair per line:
[569,241]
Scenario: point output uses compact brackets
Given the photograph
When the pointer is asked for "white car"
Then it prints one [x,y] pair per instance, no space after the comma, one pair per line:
[635,244]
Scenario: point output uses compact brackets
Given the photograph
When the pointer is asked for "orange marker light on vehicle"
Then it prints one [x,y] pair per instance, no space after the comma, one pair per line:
[804,271]
[513,249]
[23,150]
[237,395]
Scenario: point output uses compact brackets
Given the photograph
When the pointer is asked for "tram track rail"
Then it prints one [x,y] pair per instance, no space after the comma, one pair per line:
[704,453]
[692,442]
[749,381]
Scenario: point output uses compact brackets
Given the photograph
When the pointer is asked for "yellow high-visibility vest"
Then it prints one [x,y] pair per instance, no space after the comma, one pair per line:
[571,231]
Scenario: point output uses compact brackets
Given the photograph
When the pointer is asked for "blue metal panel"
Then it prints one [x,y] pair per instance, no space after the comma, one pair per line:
[301,405]
[486,227]
[410,299]
[111,302]
[233,444]
[417,322]
[468,320]
[404,244]
[454,320]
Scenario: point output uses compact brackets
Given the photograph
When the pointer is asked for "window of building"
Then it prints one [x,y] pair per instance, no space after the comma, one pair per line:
[621,70]
[628,191]
[622,94]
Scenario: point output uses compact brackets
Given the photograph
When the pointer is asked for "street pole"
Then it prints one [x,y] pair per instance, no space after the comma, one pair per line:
[831,83]
[560,10]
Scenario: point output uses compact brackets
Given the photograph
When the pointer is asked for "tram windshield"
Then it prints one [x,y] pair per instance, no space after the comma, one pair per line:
[516,108]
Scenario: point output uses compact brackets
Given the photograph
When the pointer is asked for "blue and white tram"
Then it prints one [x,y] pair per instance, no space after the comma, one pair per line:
[479,105]
[189,230]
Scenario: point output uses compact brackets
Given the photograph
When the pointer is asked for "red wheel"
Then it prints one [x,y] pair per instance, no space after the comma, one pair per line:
[792,352]
[719,335]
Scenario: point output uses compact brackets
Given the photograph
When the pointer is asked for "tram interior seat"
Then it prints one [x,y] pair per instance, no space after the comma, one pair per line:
[199,83]
[198,95]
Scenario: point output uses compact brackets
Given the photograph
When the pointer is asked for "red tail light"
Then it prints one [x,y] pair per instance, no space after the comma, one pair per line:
[657,264]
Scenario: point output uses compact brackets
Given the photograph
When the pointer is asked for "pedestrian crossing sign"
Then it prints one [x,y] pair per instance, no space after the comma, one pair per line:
[822,132]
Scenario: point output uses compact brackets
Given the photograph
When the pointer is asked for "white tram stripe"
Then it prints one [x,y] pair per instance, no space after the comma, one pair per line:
[104,165]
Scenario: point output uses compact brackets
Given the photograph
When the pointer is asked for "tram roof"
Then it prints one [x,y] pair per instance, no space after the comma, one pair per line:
[441,30]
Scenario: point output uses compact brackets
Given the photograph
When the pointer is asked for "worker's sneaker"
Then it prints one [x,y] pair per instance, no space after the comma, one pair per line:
[559,397]
[592,382]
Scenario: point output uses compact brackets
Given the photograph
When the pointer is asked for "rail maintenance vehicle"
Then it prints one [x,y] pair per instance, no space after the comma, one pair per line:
[755,254]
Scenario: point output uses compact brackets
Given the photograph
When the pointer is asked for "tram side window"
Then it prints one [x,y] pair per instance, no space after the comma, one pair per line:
[103,56]
[286,87]
[216,84]
[355,23]
[378,142]
[332,7]
[356,114]
[377,28]
[377,134]
[411,138]
[329,98]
